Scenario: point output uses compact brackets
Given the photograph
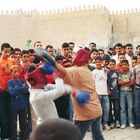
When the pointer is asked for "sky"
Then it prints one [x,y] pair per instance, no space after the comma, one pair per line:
[112,5]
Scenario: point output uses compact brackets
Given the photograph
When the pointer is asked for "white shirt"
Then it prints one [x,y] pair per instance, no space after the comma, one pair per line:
[42,100]
[115,57]
[100,81]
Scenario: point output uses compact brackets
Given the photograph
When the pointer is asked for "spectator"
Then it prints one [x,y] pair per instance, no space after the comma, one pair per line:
[62,130]
[113,89]
[100,80]
[18,90]
[5,75]
[125,81]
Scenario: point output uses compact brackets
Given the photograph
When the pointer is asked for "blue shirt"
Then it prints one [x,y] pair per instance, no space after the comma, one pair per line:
[18,90]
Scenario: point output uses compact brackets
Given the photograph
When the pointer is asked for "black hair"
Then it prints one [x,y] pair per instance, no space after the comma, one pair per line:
[59,57]
[129,44]
[31,51]
[92,43]
[118,45]
[36,42]
[93,50]
[65,45]
[24,52]
[5,45]
[125,61]
[106,57]
[87,49]
[134,58]
[101,50]
[138,46]
[56,129]
[112,60]
[17,49]
[49,46]
[71,43]
[98,58]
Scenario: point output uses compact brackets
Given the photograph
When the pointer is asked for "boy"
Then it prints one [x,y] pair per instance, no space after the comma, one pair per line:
[113,89]
[18,90]
[121,56]
[134,61]
[41,96]
[100,80]
[126,90]
[5,75]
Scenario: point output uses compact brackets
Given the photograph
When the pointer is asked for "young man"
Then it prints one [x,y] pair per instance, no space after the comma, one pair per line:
[5,75]
[80,77]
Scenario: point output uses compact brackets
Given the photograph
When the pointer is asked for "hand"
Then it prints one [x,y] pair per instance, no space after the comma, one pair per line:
[45,55]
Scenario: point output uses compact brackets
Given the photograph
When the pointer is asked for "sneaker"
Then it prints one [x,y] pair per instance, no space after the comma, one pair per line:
[117,124]
[112,125]
[106,127]
[131,125]
[123,126]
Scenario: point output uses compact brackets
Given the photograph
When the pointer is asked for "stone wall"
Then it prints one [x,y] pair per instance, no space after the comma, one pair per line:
[81,25]
[126,26]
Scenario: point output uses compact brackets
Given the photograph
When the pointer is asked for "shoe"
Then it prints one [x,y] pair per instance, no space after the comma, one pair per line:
[137,126]
[123,126]
[106,127]
[112,125]
[117,124]
[131,125]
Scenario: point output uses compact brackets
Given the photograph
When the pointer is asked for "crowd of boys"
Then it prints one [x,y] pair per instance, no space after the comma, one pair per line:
[116,82]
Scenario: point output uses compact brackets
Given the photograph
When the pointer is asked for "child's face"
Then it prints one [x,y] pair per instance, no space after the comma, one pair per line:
[98,64]
[60,62]
[25,58]
[134,63]
[112,65]
[94,55]
[105,63]
[125,66]
[6,52]
[15,73]
[138,58]
[121,57]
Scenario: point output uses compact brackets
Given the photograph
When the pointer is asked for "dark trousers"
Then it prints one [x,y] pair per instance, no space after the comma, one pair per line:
[5,115]
[114,112]
[62,105]
[28,117]
[21,114]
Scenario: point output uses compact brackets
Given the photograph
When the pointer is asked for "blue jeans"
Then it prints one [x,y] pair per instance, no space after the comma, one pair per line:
[137,106]
[104,100]
[95,128]
[126,98]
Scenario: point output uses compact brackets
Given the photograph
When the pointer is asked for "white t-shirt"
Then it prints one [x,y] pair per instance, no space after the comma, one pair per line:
[100,81]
